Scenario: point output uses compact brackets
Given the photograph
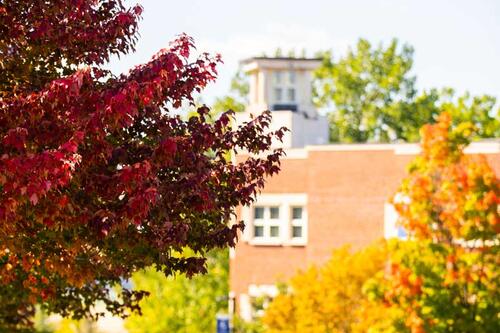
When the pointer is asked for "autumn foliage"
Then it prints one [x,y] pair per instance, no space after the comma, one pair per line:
[443,278]
[446,278]
[328,298]
[98,178]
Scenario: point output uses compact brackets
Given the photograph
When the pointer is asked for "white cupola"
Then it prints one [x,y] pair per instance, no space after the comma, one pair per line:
[284,86]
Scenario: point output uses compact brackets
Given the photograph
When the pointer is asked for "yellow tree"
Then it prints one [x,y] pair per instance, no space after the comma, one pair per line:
[328,298]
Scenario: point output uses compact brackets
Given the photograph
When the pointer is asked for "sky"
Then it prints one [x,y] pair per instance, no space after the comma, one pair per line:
[457,42]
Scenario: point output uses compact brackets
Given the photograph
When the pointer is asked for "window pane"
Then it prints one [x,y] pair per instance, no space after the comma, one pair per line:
[291,94]
[258,231]
[296,232]
[275,231]
[258,213]
[275,212]
[278,94]
[291,77]
[297,213]
[277,77]
[402,234]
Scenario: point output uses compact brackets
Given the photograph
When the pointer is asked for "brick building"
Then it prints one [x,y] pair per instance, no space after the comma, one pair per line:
[326,195]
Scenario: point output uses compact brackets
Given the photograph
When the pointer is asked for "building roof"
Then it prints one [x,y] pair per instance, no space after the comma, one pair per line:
[249,60]
[280,63]
[484,146]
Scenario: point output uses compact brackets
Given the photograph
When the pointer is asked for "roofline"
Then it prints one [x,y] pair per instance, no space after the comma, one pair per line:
[487,146]
[248,60]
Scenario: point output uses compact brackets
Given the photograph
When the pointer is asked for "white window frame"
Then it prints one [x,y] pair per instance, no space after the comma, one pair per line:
[266,222]
[285,202]
[302,223]
[267,291]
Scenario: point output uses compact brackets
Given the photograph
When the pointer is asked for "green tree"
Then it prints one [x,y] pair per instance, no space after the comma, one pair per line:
[237,98]
[179,304]
[362,87]
[242,326]
[477,110]
[372,96]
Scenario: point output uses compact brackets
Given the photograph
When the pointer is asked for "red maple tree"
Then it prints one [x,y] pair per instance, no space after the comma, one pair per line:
[98,178]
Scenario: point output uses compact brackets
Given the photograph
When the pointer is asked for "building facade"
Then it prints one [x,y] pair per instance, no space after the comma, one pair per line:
[326,195]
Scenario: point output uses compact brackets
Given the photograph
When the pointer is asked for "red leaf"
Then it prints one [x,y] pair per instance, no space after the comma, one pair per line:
[169,146]
[48,222]
[70,147]
[34,198]
[16,138]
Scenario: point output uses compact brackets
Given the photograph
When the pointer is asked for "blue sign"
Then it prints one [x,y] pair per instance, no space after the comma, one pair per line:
[223,324]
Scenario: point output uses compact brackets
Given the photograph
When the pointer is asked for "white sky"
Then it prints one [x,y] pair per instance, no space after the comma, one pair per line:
[457,42]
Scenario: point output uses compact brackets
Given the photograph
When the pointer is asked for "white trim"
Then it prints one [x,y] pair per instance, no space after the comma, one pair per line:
[231,304]
[390,218]
[246,216]
[278,198]
[254,64]
[352,147]
[407,149]
[298,241]
[478,147]
[483,147]
[296,154]
[265,241]
[258,290]
[245,307]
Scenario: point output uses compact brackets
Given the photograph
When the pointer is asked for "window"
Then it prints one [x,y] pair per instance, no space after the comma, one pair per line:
[266,222]
[258,224]
[277,77]
[275,213]
[391,227]
[260,296]
[297,223]
[258,231]
[258,305]
[278,94]
[258,213]
[277,219]
[284,86]
[297,213]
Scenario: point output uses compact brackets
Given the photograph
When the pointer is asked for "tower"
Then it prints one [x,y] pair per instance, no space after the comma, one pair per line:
[284,86]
